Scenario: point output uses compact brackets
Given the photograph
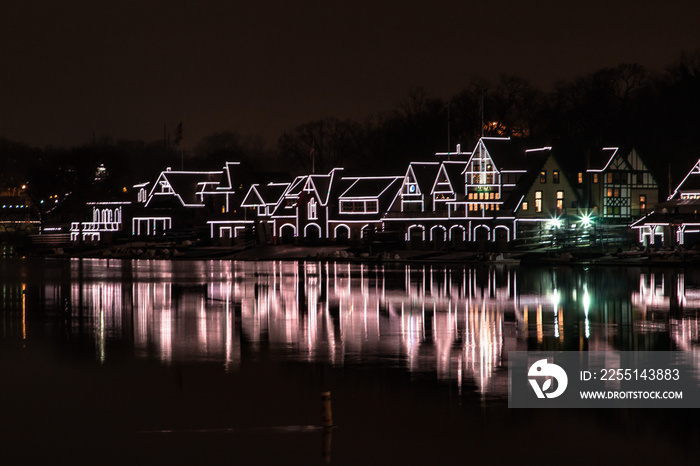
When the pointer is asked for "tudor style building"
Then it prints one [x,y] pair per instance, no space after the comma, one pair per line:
[619,185]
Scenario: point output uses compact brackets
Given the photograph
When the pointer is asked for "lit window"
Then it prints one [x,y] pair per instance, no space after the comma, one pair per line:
[560,201]
[580,177]
[643,202]
[616,192]
[610,178]
[525,205]
[595,178]
[543,176]
[555,177]
[538,201]
[610,192]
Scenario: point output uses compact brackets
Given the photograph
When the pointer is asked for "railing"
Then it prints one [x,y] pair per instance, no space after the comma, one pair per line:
[95,226]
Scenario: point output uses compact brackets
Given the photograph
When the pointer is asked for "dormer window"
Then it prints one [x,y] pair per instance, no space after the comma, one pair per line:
[165,187]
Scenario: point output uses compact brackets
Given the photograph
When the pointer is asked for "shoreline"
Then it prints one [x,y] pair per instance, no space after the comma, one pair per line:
[542,257]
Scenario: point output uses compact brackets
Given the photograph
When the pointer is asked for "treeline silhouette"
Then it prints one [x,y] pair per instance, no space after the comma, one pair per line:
[658,113]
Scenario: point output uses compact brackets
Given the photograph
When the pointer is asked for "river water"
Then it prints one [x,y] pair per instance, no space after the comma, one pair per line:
[193,362]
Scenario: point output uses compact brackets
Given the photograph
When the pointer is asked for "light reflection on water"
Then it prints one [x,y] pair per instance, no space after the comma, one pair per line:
[456,322]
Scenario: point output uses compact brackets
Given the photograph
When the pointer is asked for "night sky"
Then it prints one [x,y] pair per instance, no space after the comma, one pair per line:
[71,69]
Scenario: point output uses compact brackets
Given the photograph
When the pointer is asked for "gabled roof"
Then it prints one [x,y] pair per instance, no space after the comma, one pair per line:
[186,185]
[690,184]
[533,161]
[321,185]
[452,172]
[268,194]
[506,153]
[253,197]
[424,174]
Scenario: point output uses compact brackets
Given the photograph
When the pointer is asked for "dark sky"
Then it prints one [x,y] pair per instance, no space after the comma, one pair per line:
[69,69]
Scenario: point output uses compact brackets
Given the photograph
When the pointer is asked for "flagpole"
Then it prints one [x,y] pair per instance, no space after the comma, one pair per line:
[178,141]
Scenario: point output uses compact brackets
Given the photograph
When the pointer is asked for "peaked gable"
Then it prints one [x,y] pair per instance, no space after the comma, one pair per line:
[253,198]
[186,186]
[689,188]
[419,178]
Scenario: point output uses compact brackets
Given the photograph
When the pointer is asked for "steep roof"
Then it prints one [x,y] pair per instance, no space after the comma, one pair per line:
[268,194]
[322,185]
[186,185]
[424,173]
[689,184]
[506,153]
[532,163]
[454,169]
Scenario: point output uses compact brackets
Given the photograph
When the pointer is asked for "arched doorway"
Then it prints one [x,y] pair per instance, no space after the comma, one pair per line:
[342,235]
[287,233]
[481,238]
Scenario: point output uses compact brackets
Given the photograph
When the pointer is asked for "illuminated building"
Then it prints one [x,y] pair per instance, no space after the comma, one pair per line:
[303,210]
[675,221]
[503,192]
[619,184]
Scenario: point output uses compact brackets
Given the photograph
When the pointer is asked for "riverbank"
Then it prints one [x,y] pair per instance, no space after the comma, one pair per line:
[544,256]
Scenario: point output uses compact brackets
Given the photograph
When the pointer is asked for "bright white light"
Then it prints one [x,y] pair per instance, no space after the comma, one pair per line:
[555,300]
[555,223]
[586,220]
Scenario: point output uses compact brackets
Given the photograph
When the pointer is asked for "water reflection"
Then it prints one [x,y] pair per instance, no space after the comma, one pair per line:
[456,322]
